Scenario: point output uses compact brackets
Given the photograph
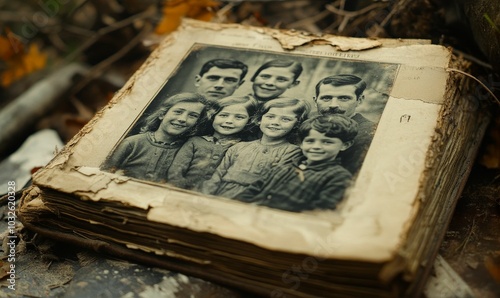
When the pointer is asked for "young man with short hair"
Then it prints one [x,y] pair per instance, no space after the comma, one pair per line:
[219,78]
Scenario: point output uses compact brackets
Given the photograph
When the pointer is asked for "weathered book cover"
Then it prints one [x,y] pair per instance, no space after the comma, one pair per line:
[276,161]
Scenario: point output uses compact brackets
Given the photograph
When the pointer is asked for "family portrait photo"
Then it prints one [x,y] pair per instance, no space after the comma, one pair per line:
[282,130]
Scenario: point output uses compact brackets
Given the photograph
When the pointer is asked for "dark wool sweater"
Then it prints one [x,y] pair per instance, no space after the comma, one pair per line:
[297,187]
[353,157]
[139,156]
[197,160]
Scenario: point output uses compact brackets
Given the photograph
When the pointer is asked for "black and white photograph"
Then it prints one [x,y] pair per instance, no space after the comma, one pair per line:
[281,130]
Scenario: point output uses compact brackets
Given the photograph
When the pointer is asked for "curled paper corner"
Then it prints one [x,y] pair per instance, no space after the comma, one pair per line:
[102,180]
[88,171]
[120,179]
[289,40]
[352,44]
[33,191]
[59,160]
[36,202]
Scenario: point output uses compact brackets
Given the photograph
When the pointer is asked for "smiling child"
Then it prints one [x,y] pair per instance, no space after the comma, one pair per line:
[148,155]
[274,77]
[198,158]
[247,162]
[314,181]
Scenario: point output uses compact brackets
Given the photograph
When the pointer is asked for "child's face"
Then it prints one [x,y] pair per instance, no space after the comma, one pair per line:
[337,100]
[278,122]
[272,82]
[181,117]
[230,120]
[317,147]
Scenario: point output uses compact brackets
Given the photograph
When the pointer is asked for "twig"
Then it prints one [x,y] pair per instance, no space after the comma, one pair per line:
[393,11]
[467,238]
[78,30]
[472,58]
[56,40]
[103,31]
[77,7]
[343,24]
[21,17]
[356,13]
[20,115]
[99,68]
[332,26]
[342,4]
[309,20]
[221,13]
[477,80]
[490,21]
[351,14]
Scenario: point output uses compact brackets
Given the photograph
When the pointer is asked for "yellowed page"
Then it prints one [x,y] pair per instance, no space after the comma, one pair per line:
[377,209]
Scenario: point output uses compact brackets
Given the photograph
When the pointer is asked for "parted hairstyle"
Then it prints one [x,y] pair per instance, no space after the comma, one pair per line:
[224,64]
[249,103]
[342,80]
[295,67]
[333,126]
[152,122]
[299,107]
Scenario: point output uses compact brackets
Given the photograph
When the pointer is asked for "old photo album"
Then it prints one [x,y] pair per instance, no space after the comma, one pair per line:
[278,162]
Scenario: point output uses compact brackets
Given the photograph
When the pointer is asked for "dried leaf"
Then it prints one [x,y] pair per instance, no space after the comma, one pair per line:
[492,264]
[9,46]
[19,61]
[4,269]
[175,10]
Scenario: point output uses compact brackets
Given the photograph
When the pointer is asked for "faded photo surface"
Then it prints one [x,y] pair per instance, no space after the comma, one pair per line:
[285,131]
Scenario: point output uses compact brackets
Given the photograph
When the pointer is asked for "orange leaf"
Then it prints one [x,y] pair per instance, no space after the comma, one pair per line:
[175,10]
[21,64]
[9,45]
[5,48]
[492,264]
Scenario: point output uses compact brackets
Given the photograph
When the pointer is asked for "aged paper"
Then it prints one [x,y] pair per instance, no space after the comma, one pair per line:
[404,93]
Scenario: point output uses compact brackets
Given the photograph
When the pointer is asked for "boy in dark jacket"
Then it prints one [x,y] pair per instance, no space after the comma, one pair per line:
[317,180]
